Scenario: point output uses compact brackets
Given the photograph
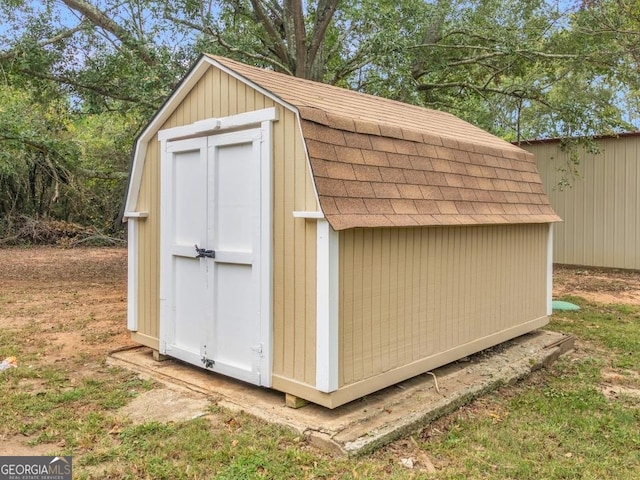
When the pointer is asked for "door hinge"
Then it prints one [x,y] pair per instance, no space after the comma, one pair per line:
[207,362]
[257,349]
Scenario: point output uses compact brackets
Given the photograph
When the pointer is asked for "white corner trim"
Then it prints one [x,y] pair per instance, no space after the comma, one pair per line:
[299,214]
[327,354]
[266,252]
[550,270]
[165,319]
[132,274]
[135,179]
[128,215]
[212,125]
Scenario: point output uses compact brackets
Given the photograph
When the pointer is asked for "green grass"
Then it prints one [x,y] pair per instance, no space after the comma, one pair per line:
[560,426]
[615,328]
[43,404]
[556,424]
[235,446]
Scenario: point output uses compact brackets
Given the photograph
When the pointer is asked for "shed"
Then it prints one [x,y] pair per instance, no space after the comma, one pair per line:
[600,206]
[327,243]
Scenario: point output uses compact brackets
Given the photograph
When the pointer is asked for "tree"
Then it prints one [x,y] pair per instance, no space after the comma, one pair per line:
[74,100]
[506,66]
[613,27]
[517,69]
[37,155]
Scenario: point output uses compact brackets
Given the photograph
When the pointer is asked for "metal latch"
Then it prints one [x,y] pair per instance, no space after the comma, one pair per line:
[201,252]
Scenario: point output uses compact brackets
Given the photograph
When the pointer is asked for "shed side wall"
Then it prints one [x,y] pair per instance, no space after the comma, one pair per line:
[407,294]
[218,94]
[147,251]
[601,218]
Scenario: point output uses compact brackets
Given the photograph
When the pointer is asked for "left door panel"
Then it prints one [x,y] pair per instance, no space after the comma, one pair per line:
[185,296]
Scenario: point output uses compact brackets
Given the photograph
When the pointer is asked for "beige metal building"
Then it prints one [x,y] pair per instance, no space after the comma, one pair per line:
[326,243]
[601,207]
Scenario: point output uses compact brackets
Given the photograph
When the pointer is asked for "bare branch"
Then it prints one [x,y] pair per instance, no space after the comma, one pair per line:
[102,175]
[271,30]
[293,13]
[324,15]
[11,54]
[470,34]
[194,26]
[101,20]
[535,53]
[280,66]
[514,93]
[95,88]
[479,59]
[432,35]
[455,47]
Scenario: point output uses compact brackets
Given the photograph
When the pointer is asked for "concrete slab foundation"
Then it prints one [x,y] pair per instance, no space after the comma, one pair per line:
[370,422]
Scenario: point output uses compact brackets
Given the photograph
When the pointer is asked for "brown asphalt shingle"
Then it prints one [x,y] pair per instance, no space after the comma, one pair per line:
[381,163]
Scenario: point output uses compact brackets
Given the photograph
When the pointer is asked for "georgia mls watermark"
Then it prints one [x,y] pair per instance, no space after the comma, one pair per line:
[35,468]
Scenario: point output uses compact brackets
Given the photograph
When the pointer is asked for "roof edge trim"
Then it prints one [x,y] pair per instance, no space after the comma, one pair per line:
[253,85]
[179,93]
[148,133]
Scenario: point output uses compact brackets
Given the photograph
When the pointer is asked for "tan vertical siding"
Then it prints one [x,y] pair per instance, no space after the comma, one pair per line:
[294,256]
[601,208]
[217,95]
[407,294]
[148,242]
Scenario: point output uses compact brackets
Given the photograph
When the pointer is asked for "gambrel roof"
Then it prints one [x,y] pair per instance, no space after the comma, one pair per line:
[380,163]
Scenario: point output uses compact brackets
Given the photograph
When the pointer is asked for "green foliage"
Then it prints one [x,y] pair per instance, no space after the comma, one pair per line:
[57,163]
[516,69]
[105,141]
[37,153]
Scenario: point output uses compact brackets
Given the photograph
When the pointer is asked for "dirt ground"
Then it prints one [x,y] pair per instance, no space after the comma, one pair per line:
[597,284]
[78,297]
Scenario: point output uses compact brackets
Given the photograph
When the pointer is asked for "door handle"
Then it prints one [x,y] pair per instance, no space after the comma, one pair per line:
[201,252]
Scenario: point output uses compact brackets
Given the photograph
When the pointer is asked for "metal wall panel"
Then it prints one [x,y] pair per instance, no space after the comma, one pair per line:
[601,207]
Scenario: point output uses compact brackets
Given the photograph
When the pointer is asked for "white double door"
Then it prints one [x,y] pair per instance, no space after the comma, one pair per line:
[212,289]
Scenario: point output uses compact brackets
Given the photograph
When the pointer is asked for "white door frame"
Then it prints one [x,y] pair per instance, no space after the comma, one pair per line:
[261,121]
